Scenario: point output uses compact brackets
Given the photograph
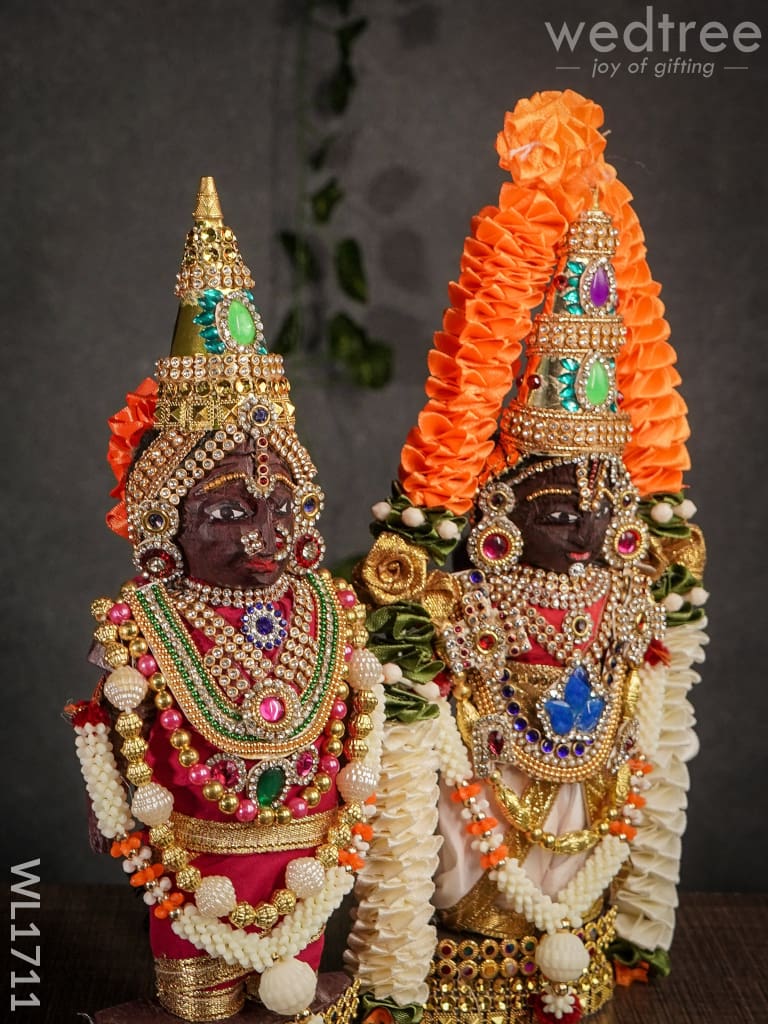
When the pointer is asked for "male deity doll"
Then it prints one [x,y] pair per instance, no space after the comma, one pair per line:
[239,717]
[560,650]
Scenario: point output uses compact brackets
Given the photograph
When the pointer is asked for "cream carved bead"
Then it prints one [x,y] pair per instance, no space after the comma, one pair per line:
[215,896]
[288,987]
[125,688]
[364,670]
[305,876]
[152,804]
[561,957]
[356,782]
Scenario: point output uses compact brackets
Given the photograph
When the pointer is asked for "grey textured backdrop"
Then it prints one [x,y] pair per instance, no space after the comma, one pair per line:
[111,112]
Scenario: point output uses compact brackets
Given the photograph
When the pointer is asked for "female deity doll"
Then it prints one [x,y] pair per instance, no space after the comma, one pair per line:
[239,703]
[561,724]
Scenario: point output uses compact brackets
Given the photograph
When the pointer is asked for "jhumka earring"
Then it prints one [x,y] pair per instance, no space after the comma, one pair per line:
[155,556]
[496,542]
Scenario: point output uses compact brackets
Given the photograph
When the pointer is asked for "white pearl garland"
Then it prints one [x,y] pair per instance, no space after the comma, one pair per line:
[102,780]
[256,952]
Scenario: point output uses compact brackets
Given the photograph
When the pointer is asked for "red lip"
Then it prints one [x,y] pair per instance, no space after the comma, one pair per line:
[579,556]
[262,564]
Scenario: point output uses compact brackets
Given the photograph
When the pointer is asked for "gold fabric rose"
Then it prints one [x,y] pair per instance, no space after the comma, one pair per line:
[394,570]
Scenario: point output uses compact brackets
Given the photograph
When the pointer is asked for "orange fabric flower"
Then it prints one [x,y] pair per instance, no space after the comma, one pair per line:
[128,426]
[625,975]
[553,140]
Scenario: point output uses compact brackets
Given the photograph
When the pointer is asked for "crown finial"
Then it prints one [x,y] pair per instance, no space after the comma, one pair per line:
[208,207]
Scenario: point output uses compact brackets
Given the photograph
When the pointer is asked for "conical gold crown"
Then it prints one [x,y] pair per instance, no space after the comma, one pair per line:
[567,400]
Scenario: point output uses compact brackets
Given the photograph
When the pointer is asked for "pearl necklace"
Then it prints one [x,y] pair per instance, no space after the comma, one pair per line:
[551,589]
[225,597]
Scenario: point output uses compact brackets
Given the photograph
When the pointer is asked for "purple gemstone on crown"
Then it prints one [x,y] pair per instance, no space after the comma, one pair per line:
[600,287]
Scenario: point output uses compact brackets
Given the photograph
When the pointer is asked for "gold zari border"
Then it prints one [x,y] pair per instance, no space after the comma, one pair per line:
[179,984]
[234,837]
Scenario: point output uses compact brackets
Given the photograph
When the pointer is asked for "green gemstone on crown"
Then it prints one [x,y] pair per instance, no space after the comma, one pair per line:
[598,384]
[240,323]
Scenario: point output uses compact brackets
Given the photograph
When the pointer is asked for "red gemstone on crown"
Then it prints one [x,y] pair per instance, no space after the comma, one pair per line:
[486,641]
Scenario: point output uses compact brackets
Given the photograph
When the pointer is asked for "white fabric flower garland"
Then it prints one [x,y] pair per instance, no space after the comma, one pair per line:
[392,942]
[102,780]
[647,899]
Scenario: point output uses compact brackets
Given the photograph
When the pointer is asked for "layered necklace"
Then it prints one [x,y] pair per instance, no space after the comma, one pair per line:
[239,658]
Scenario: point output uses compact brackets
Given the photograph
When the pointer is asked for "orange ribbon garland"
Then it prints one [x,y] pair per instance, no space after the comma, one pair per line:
[553,148]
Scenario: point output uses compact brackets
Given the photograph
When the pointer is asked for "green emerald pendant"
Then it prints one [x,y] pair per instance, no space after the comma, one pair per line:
[270,786]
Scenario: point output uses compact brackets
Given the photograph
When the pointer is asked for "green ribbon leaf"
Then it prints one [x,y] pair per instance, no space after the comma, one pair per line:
[411,1013]
[630,955]
[677,527]
[347,339]
[299,252]
[289,336]
[403,633]
[403,705]
[348,259]
[347,34]
[424,536]
[324,200]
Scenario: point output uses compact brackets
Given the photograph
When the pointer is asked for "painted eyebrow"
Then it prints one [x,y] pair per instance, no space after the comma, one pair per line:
[219,481]
[279,478]
[569,492]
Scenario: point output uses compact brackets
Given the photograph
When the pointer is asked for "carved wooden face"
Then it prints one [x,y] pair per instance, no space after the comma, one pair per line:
[556,532]
[236,532]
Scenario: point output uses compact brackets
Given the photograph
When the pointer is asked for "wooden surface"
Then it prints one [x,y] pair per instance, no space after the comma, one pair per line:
[95,955]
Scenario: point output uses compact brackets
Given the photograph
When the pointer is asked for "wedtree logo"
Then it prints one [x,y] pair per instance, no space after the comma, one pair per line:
[645,36]
[656,34]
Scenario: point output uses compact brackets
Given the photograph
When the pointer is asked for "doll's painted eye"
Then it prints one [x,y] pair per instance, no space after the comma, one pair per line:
[561,518]
[227,512]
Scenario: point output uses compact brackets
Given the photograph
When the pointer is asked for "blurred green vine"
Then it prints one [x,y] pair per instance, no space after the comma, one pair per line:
[324,266]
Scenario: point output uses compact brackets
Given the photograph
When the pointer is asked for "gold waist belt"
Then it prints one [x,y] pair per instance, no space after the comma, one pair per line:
[202,836]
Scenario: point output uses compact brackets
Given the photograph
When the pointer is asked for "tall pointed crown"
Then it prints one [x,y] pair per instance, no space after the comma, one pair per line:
[218,371]
[567,400]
